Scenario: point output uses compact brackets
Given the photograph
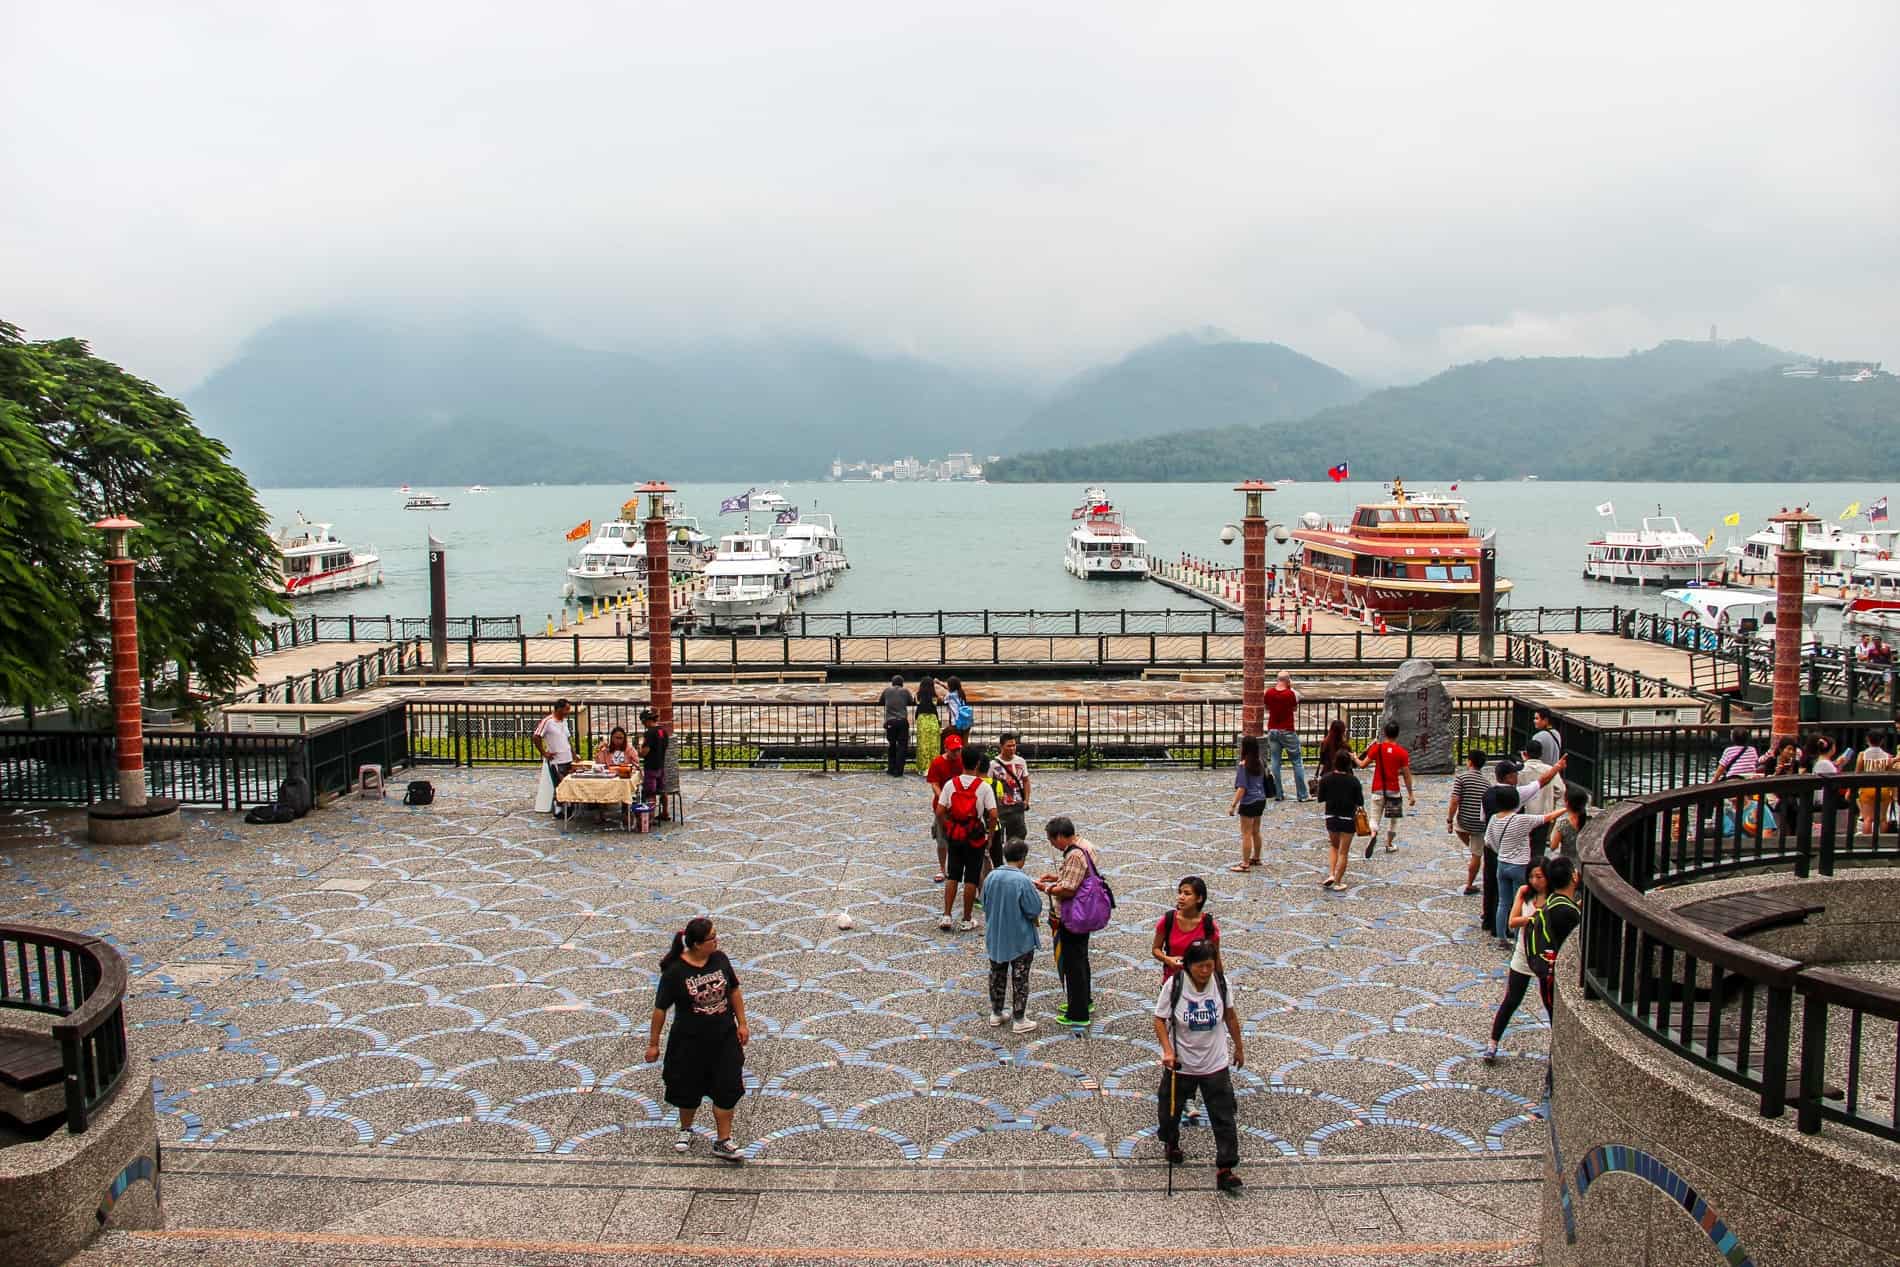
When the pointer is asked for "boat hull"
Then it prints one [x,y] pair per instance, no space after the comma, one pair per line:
[1626,573]
[357,575]
[742,613]
[1417,605]
[1124,568]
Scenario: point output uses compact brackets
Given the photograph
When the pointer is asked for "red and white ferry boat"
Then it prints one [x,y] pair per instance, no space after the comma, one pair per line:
[314,561]
[1101,546]
[1410,560]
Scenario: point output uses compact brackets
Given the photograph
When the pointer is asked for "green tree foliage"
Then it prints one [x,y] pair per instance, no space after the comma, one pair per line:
[116,445]
[46,593]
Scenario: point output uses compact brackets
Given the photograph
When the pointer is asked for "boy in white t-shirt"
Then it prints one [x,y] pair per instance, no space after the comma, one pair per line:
[1195,1026]
[556,749]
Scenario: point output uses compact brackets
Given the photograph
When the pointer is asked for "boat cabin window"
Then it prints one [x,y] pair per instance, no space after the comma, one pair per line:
[1365,519]
[1436,572]
[1386,516]
[1461,572]
[1426,515]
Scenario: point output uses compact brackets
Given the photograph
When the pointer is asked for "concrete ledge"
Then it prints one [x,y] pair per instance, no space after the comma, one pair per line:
[116,823]
[1657,1163]
[56,1194]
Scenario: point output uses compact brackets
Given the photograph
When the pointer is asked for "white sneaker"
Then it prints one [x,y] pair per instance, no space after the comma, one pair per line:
[1192,1112]
[1023,1026]
[965,926]
[996,1018]
[944,924]
[684,1143]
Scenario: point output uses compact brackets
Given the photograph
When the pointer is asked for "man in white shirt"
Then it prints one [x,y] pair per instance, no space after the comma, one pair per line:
[551,740]
[1199,1035]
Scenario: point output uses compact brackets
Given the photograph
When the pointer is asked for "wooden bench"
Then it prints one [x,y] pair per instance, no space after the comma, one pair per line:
[1739,914]
[30,1077]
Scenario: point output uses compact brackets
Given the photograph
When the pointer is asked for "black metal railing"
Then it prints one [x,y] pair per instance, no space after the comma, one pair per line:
[1616,762]
[835,735]
[1781,1028]
[303,631]
[333,682]
[225,768]
[80,980]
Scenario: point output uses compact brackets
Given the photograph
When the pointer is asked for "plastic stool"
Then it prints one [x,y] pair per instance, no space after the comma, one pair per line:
[371,776]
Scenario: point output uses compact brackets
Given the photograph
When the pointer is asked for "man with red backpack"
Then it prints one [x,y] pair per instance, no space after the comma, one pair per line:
[1390,763]
[945,766]
[966,815]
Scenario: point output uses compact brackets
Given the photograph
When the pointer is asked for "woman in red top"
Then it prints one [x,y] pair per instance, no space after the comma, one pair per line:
[1180,928]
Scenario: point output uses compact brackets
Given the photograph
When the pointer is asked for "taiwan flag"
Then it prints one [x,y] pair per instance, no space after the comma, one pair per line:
[1339,474]
[1877,513]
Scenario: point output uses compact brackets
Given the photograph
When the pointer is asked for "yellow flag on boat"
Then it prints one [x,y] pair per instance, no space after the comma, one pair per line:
[580,530]
[1853,508]
[1710,543]
[1732,520]
[630,509]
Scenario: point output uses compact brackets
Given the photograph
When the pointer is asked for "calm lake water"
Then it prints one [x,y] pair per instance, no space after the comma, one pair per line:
[921,547]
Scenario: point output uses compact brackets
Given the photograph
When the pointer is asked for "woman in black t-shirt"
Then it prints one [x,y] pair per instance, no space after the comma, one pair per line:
[705,1056]
[1340,796]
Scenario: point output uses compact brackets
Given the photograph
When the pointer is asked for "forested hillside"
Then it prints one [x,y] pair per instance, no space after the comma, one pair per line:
[1679,411]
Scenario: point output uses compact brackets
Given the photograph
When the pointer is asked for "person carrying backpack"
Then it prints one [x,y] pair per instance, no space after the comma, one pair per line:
[1185,924]
[1191,1012]
[960,715]
[1084,904]
[966,815]
[945,766]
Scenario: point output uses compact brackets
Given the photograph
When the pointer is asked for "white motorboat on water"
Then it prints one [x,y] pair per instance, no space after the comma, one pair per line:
[478,488]
[313,560]
[812,550]
[747,585]
[1102,547]
[766,499]
[1833,553]
[1660,552]
[425,501]
[614,562]
[1706,611]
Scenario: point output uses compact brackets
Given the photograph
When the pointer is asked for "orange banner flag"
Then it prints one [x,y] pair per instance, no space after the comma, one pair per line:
[580,530]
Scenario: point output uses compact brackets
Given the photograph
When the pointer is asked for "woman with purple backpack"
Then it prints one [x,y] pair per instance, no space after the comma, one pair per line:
[1083,904]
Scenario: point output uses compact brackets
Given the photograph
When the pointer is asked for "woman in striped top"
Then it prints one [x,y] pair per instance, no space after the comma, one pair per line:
[1739,760]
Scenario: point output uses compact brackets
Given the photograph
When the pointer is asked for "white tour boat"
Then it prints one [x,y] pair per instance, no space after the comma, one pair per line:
[425,501]
[1708,610]
[1661,552]
[812,550]
[314,561]
[766,499]
[614,562]
[478,488]
[1102,547]
[747,584]
[1833,554]
[1873,586]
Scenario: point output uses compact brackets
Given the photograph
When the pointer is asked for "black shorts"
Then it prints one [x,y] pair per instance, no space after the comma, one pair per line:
[964,865]
[1252,809]
[1338,825]
[701,1070]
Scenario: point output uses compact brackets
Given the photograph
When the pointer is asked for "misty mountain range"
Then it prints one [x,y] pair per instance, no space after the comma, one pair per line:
[340,399]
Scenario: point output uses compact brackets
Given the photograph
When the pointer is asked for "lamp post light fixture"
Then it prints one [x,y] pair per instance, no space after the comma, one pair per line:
[1253,604]
[1790,585]
[659,601]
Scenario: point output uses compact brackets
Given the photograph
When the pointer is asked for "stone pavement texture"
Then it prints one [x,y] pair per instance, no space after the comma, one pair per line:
[400,1034]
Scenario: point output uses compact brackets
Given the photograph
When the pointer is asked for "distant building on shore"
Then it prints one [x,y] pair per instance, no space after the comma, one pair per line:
[953,466]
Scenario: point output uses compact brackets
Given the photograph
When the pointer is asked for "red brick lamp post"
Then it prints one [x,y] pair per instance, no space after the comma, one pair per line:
[131,818]
[1790,588]
[659,601]
[1253,606]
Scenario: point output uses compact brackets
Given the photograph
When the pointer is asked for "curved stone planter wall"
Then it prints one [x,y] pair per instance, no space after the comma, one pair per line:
[1656,1162]
[58,1193]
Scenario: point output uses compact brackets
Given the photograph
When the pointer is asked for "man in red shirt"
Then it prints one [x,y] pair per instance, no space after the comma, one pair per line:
[1283,735]
[1390,763]
[947,765]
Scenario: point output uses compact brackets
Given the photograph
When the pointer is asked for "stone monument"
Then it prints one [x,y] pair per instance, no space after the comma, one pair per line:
[1417,700]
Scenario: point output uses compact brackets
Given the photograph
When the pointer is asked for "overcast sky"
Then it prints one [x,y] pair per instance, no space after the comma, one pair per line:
[1392,189]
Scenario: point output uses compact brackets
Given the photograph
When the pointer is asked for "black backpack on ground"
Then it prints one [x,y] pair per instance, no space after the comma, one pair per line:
[272,813]
[421,792]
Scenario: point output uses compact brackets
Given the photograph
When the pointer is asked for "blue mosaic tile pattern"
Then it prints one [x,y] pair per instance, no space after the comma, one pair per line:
[466,978]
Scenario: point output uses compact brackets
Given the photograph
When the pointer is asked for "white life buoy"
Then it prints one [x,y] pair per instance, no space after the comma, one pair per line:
[1114,563]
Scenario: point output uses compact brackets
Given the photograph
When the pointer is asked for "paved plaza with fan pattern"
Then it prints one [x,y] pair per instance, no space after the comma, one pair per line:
[466,981]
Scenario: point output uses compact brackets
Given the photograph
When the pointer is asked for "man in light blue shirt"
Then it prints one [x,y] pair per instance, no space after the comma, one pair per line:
[1012,909]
